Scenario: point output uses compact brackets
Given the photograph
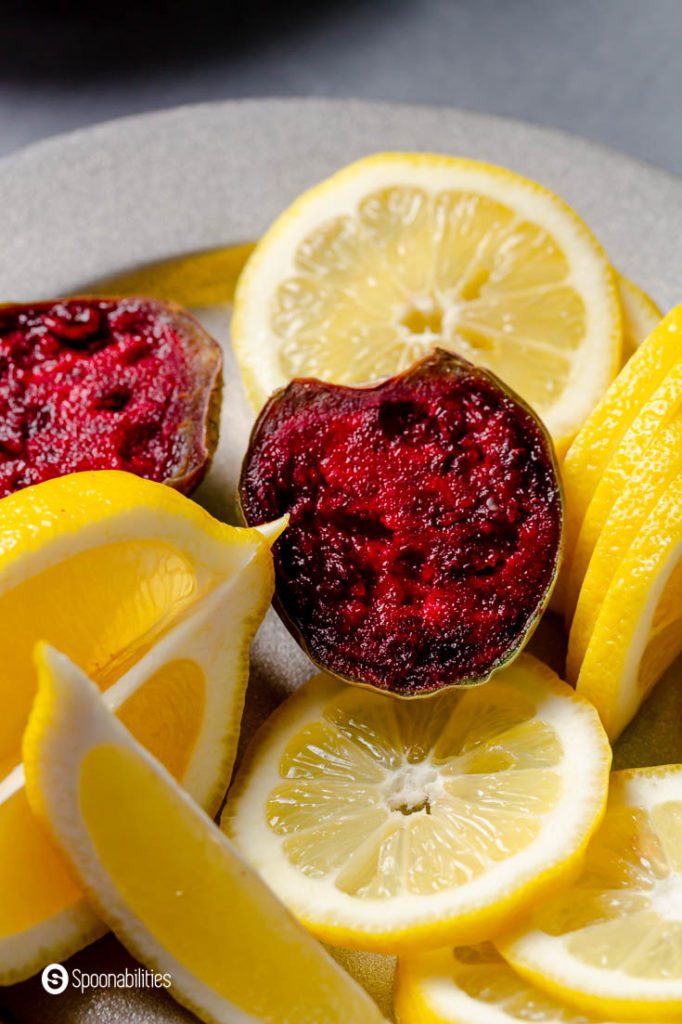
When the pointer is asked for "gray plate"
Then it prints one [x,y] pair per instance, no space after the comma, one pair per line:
[110,198]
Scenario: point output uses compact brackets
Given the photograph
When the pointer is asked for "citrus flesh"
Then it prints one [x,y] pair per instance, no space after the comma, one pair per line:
[600,437]
[659,466]
[386,824]
[646,432]
[168,636]
[474,985]
[163,876]
[158,552]
[637,633]
[612,943]
[401,252]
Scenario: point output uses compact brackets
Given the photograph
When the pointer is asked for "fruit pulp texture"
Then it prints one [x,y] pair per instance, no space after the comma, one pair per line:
[200,903]
[425,522]
[90,384]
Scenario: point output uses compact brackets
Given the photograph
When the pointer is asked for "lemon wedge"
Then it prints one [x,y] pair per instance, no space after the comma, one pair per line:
[386,825]
[102,564]
[400,252]
[611,944]
[600,437]
[658,467]
[196,591]
[637,633]
[640,315]
[645,434]
[161,874]
[474,985]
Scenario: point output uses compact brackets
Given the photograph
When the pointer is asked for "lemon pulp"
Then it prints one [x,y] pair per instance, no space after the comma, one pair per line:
[430,809]
[103,628]
[374,291]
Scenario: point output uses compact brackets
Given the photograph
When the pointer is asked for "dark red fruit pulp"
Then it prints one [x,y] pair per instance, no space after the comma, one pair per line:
[425,522]
[93,383]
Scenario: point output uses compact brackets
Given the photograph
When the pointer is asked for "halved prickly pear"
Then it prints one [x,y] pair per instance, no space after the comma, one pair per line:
[106,383]
[425,522]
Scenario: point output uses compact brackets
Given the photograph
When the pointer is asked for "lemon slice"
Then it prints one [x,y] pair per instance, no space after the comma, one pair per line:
[640,315]
[601,435]
[612,943]
[183,701]
[182,695]
[102,564]
[659,465]
[386,824]
[638,630]
[164,877]
[663,408]
[474,985]
[400,252]
[205,278]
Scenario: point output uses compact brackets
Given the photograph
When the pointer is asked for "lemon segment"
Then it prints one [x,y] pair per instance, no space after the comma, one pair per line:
[164,877]
[183,701]
[398,253]
[474,985]
[638,630]
[640,315]
[647,431]
[158,552]
[658,467]
[205,278]
[599,438]
[612,943]
[386,825]
[184,673]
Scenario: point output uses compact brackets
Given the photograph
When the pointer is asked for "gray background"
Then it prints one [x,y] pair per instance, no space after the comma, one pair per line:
[610,70]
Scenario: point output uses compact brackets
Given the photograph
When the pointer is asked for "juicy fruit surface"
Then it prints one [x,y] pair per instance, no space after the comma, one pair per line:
[659,467]
[105,384]
[645,434]
[612,943]
[474,985]
[158,552]
[388,824]
[425,522]
[601,435]
[167,637]
[399,252]
[637,634]
[163,876]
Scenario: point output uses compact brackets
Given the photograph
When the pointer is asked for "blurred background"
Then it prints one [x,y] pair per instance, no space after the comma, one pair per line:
[607,69]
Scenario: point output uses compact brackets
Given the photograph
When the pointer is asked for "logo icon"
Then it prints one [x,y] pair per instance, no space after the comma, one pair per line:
[55,978]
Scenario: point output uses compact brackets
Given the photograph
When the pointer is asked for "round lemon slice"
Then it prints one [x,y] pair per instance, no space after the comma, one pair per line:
[162,602]
[401,252]
[164,877]
[612,943]
[474,985]
[640,315]
[663,409]
[638,630]
[386,825]
[599,438]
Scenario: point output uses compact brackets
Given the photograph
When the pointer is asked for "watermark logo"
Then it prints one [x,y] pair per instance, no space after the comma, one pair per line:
[55,978]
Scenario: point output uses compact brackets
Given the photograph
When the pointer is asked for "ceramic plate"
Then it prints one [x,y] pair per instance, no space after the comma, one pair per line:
[108,200]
